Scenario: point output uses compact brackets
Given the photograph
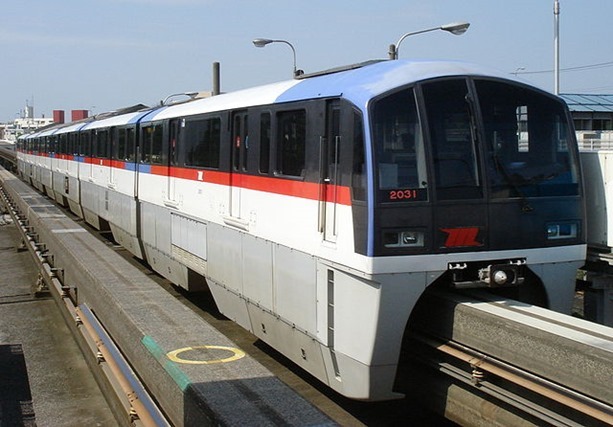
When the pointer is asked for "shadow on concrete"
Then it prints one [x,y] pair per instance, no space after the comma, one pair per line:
[15,399]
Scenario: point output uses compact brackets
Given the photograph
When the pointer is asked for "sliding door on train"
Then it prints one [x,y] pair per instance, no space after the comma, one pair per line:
[173,161]
[329,171]
[240,147]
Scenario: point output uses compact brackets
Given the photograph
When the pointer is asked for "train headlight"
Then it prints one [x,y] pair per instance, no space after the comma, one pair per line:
[403,239]
[562,230]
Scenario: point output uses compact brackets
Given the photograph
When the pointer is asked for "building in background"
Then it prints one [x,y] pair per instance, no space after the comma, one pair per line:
[593,118]
[28,123]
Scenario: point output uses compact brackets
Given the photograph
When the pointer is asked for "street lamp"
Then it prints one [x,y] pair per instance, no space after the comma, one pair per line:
[264,42]
[455,28]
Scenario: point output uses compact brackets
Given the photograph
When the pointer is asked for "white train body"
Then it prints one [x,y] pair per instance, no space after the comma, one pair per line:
[279,201]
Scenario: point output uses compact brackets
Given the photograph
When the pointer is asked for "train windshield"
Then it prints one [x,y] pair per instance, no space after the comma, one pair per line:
[452,131]
[527,137]
[399,147]
[500,139]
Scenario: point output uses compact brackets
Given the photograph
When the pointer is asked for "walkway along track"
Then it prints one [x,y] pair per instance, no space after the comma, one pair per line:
[131,403]
[544,366]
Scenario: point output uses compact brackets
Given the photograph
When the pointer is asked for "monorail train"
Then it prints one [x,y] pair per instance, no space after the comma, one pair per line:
[318,210]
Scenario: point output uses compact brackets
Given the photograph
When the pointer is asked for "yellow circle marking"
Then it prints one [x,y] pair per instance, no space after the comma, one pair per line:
[174,355]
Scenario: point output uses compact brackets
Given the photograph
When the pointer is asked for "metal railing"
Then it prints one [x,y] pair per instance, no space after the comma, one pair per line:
[595,140]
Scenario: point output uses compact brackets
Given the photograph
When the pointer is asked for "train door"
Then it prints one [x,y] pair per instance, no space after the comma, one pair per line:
[73,164]
[101,168]
[86,169]
[114,140]
[330,171]
[62,158]
[240,147]
[173,152]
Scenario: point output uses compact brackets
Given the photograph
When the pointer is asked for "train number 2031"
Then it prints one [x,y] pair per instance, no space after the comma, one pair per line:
[403,194]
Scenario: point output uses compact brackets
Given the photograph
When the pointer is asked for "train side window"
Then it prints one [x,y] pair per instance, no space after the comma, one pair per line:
[265,123]
[94,144]
[202,141]
[291,143]
[63,144]
[85,145]
[74,143]
[130,152]
[147,136]
[102,144]
[119,152]
[358,177]
[157,157]
[175,135]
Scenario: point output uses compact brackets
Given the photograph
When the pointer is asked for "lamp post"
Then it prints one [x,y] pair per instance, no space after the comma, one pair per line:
[455,28]
[264,42]
[556,47]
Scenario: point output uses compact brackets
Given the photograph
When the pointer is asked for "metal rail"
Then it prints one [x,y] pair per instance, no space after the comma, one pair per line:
[548,398]
[483,372]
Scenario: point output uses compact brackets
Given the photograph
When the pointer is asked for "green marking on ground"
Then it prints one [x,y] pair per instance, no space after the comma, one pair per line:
[169,366]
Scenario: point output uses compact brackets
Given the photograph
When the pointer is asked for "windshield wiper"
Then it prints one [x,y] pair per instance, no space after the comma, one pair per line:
[525,205]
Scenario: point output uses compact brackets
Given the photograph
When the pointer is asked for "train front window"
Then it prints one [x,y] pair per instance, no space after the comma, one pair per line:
[399,148]
[526,138]
[452,129]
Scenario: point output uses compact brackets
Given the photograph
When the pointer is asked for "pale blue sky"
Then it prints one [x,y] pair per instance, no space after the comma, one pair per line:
[105,54]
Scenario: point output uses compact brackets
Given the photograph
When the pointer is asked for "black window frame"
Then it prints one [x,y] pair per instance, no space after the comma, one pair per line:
[211,158]
[284,165]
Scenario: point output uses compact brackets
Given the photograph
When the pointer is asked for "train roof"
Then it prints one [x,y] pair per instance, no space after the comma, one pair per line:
[121,119]
[358,84]
[260,95]
[71,127]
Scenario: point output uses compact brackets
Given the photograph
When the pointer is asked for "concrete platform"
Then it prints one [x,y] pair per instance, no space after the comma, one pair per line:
[44,379]
[194,372]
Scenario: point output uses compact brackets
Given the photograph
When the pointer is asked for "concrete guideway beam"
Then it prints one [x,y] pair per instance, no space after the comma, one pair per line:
[569,351]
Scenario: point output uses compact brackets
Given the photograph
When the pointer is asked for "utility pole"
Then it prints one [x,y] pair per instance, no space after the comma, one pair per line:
[556,46]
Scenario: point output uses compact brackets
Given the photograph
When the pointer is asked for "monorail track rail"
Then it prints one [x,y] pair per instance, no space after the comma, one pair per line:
[545,367]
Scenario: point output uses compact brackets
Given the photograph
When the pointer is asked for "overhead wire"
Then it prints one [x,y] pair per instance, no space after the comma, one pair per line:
[579,68]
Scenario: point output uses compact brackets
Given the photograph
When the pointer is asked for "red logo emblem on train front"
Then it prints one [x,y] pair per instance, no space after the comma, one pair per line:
[461,237]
